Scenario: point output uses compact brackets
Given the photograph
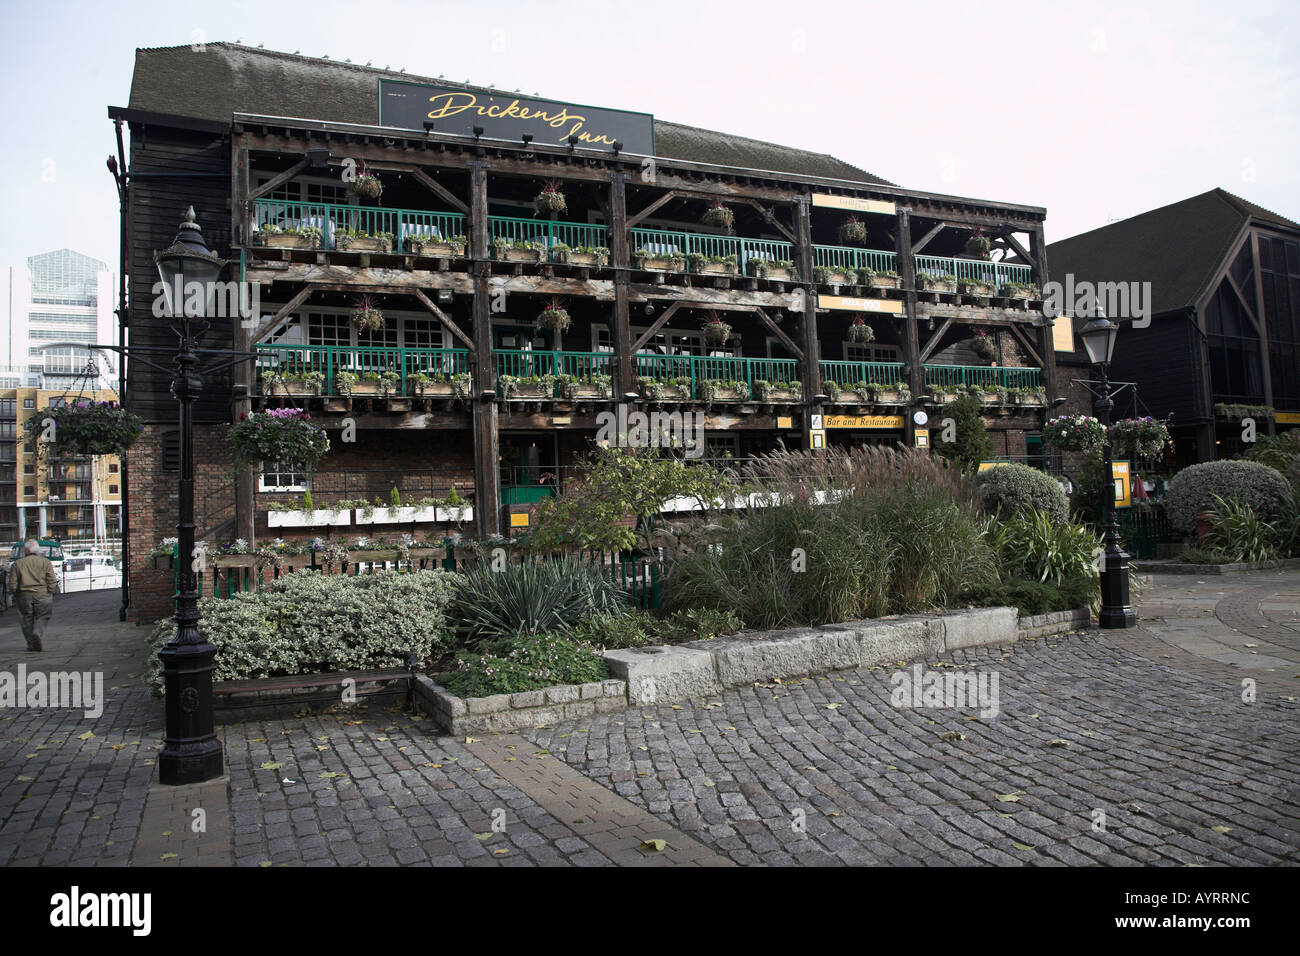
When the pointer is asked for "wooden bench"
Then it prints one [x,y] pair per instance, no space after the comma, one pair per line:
[249,692]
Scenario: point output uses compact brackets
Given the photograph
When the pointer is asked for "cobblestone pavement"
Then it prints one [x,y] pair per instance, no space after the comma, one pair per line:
[1118,748]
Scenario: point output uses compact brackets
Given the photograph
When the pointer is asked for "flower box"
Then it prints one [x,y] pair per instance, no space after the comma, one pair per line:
[780,274]
[982,289]
[851,396]
[936,285]
[991,398]
[839,277]
[586,391]
[883,282]
[943,398]
[286,240]
[523,255]
[717,269]
[294,388]
[397,515]
[776,395]
[456,514]
[889,396]
[662,265]
[583,259]
[732,395]
[319,518]
[1012,292]
[665,393]
[523,391]
[443,250]
[364,243]
[373,389]
[434,390]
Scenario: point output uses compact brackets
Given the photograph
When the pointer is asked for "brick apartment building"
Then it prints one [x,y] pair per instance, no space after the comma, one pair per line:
[462,384]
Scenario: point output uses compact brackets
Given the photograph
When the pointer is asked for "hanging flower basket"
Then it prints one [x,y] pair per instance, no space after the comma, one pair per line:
[550,201]
[281,435]
[1139,437]
[859,331]
[978,245]
[982,345]
[554,319]
[1075,433]
[367,186]
[853,231]
[87,428]
[716,332]
[366,317]
[719,216]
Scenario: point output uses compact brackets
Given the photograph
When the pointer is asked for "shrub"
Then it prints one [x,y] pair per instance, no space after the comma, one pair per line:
[1192,491]
[1037,546]
[307,623]
[1281,452]
[1011,489]
[1193,555]
[973,443]
[1238,533]
[531,597]
[529,663]
[1032,597]
[614,630]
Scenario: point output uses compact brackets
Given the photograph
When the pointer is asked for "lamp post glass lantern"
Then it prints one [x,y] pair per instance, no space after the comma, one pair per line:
[1116,608]
[191,752]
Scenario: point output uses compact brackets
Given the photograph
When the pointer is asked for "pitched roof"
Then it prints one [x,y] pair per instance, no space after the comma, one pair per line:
[1177,248]
[227,78]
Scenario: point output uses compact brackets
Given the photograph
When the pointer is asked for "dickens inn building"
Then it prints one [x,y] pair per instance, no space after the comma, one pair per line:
[470,278]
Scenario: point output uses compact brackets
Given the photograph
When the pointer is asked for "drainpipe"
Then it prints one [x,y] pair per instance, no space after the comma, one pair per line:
[119,171]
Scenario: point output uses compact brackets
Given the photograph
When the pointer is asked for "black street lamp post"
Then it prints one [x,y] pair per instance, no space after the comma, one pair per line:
[191,752]
[1116,609]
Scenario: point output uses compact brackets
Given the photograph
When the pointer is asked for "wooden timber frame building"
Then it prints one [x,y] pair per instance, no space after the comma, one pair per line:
[461,386]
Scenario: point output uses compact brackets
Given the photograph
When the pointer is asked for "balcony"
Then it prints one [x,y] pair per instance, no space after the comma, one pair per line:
[417,231]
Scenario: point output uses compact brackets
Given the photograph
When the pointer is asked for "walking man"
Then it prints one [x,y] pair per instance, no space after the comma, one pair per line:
[32,582]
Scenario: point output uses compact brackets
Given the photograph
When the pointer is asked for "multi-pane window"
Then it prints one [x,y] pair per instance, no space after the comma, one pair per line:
[859,352]
[328,328]
[283,476]
[423,334]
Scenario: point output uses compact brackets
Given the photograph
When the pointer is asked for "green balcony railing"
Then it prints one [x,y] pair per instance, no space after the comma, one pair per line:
[548,233]
[995,273]
[331,218]
[848,374]
[663,241]
[689,371]
[293,361]
[844,257]
[536,363]
[977,375]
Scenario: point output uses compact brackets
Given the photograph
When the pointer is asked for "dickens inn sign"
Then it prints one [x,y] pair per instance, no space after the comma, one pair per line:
[409,105]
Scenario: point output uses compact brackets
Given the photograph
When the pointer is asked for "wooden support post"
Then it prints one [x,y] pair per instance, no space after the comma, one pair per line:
[911,343]
[243,374]
[1047,348]
[1265,363]
[812,369]
[624,361]
[487,472]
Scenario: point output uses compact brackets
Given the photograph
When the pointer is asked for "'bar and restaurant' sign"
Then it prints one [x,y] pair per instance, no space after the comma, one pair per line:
[502,116]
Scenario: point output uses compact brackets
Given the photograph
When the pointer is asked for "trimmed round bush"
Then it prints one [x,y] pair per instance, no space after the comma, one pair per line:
[1012,489]
[1192,491]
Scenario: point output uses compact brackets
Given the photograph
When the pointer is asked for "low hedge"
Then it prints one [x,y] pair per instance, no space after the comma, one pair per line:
[308,623]
[1012,489]
[1192,491]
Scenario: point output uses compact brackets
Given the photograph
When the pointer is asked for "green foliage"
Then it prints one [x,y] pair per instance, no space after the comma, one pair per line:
[528,663]
[1197,555]
[972,444]
[1013,488]
[1237,532]
[1036,546]
[1193,490]
[395,498]
[1036,597]
[281,434]
[530,597]
[307,504]
[87,428]
[305,623]
[895,531]
[1281,452]
[614,484]
[634,628]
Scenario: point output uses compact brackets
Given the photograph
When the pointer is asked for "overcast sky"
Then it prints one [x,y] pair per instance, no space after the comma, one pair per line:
[1096,111]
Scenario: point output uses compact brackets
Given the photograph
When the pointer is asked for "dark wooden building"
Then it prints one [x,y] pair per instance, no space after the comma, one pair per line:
[1224,314]
[463,384]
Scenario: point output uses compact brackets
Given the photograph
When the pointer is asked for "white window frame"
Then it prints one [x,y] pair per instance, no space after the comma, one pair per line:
[893,351]
[280,469]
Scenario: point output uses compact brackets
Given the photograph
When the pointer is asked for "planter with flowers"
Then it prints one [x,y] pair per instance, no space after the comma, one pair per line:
[781,270]
[860,332]
[366,316]
[287,237]
[356,240]
[835,275]
[926,282]
[1018,290]
[85,427]
[883,279]
[293,384]
[978,245]
[554,318]
[981,343]
[778,392]
[712,265]
[285,435]
[892,394]
[976,287]
[1139,437]
[520,250]
[593,386]
[581,255]
[719,216]
[716,332]
[367,185]
[435,246]
[550,201]
[657,260]
[853,232]
[1075,433]
[304,514]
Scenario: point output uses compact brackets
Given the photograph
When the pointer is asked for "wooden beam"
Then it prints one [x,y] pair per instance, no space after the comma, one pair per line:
[1021,251]
[1024,340]
[776,330]
[925,240]
[267,327]
[279,179]
[441,316]
[438,189]
[931,345]
[1250,309]
[621,326]
[655,326]
[770,218]
[633,220]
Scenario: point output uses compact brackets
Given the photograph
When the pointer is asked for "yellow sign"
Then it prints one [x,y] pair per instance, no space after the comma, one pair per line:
[784,421]
[816,439]
[827,201]
[864,421]
[519,520]
[923,438]
[1288,418]
[986,465]
[853,304]
[1119,473]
